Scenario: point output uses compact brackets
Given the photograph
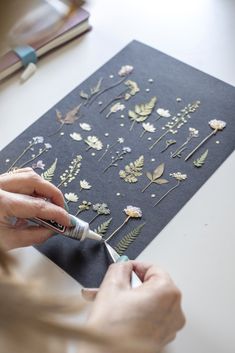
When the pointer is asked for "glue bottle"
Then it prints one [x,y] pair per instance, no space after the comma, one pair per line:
[80,232]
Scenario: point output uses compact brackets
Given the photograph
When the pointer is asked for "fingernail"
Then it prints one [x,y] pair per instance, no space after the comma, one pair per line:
[73,221]
[123,258]
[66,207]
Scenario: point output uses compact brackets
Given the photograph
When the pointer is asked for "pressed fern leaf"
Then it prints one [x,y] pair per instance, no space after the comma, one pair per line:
[132,171]
[142,111]
[102,229]
[128,239]
[49,173]
[201,160]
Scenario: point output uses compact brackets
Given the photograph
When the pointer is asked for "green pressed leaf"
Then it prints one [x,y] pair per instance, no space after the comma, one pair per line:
[132,170]
[49,173]
[128,239]
[102,229]
[201,160]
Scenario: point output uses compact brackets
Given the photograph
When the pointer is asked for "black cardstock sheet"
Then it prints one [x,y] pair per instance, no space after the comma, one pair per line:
[157,75]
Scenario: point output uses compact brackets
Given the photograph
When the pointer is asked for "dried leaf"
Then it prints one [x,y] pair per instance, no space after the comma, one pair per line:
[84,95]
[132,171]
[142,111]
[96,88]
[201,160]
[161,181]
[149,176]
[49,173]
[158,171]
[128,239]
[71,116]
[102,229]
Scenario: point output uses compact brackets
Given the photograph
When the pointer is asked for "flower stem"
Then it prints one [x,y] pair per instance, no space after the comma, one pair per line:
[146,187]
[142,133]
[121,96]
[106,89]
[180,149]
[174,187]
[20,156]
[200,144]
[159,139]
[32,159]
[58,130]
[109,113]
[126,220]
[132,125]
[97,215]
[158,118]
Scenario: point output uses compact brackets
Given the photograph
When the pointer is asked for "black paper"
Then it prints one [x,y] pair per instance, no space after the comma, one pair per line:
[87,261]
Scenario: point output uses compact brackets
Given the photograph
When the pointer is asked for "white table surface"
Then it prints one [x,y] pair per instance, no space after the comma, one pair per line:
[197,246]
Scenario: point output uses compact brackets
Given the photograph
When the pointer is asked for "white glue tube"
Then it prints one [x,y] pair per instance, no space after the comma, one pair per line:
[80,232]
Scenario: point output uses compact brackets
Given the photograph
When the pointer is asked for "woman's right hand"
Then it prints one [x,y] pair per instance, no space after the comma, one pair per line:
[23,195]
[150,313]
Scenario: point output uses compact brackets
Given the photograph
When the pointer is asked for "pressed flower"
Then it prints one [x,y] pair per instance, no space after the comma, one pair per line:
[147,128]
[93,142]
[109,147]
[125,70]
[131,212]
[163,113]
[48,146]
[84,206]
[71,197]
[38,165]
[85,126]
[76,136]
[38,139]
[115,108]
[84,185]
[192,134]
[216,125]
[179,177]
[70,174]
[120,156]
[100,209]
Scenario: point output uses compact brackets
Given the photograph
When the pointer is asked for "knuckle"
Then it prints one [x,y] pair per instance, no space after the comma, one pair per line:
[41,205]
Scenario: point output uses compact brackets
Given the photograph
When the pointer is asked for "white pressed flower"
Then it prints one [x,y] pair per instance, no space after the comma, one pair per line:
[85,126]
[125,70]
[133,212]
[71,197]
[120,139]
[38,165]
[217,124]
[94,142]
[76,136]
[179,176]
[116,107]
[193,132]
[163,113]
[38,139]
[149,127]
[84,185]
[126,149]
[48,146]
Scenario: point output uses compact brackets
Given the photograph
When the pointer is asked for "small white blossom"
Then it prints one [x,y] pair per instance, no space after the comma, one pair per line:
[38,165]
[126,149]
[84,185]
[48,146]
[76,136]
[193,132]
[217,124]
[71,197]
[125,70]
[149,127]
[85,126]
[163,113]
[179,176]
[94,142]
[38,139]
[120,139]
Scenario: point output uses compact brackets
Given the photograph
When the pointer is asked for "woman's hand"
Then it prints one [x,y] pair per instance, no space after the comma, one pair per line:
[150,313]
[22,195]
